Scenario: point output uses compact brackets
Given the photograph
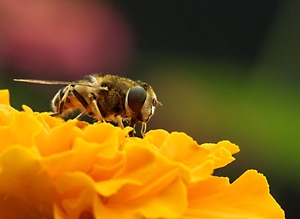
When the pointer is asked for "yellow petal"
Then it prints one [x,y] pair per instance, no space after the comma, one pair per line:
[104,133]
[182,148]
[18,130]
[107,135]
[4,97]
[161,204]
[221,152]
[156,137]
[153,192]
[12,207]
[50,168]
[48,121]
[105,168]
[58,139]
[137,169]
[27,109]
[247,197]
[140,188]
[23,181]
[76,194]
[201,159]
[6,114]
[81,157]
[58,212]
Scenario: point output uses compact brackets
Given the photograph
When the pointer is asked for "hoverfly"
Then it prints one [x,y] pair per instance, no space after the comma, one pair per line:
[105,98]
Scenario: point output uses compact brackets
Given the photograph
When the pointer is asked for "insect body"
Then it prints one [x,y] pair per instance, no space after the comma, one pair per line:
[105,98]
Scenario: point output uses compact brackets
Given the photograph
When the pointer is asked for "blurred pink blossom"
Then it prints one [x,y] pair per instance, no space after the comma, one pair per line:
[67,39]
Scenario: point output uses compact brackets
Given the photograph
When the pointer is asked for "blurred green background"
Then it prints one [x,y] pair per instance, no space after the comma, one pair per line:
[222,69]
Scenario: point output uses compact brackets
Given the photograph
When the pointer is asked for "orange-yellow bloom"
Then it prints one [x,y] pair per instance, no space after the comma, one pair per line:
[50,168]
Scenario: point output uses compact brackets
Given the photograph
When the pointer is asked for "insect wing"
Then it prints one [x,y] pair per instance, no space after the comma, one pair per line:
[42,81]
[33,81]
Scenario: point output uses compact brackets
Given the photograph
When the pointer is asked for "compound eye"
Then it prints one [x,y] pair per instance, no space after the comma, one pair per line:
[136,98]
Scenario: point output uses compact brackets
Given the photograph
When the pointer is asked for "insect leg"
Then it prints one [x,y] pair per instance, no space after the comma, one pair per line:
[132,124]
[131,133]
[62,102]
[95,108]
[79,117]
[89,102]
[120,121]
[55,114]
[143,129]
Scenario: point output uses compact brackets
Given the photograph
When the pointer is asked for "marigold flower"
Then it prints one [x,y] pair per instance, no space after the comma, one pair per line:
[50,168]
